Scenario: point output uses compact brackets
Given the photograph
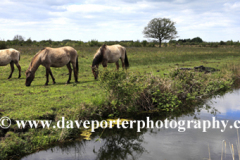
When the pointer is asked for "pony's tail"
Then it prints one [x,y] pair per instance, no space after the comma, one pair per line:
[77,64]
[126,60]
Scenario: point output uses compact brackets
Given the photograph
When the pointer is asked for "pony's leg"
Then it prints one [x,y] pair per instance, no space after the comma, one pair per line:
[48,70]
[53,79]
[12,69]
[117,64]
[47,75]
[75,71]
[70,72]
[123,64]
[19,69]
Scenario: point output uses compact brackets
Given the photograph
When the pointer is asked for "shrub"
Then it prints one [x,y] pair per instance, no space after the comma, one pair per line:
[80,43]
[222,43]
[172,42]
[130,92]
[29,41]
[197,39]
[151,44]
[144,43]
[122,90]
[214,45]
[229,42]
[137,44]
[3,45]
[165,101]
[93,43]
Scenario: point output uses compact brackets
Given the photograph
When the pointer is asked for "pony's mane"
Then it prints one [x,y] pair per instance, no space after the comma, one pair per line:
[98,57]
[36,55]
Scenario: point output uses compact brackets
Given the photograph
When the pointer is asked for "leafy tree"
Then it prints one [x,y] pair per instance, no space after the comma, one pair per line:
[50,41]
[222,43]
[197,39]
[137,44]
[230,42]
[184,40]
[161,29]
[94,43]
[29,41]
[172,42]
[144,43]
[18,38]
[3,45]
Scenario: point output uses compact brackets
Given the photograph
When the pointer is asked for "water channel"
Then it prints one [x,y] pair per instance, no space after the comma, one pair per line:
[161,144]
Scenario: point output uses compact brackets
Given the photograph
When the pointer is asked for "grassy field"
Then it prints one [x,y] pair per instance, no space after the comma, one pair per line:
[39,101]
[19,102]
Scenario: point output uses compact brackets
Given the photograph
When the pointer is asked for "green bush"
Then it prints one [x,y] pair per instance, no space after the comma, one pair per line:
[122,90]
[165,101]
[222,43]
[93,43]
[230,42]
[3,45]
[214,45]
[197,40]
[144,43]
[137,44]
[151,44]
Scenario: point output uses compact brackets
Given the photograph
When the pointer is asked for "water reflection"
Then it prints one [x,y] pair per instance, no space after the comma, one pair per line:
[121,143]
[164,144]
[114,144]
[228,105]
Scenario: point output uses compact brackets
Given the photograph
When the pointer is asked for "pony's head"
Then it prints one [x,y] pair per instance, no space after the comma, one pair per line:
[98,57]
[95,71]
[29,77]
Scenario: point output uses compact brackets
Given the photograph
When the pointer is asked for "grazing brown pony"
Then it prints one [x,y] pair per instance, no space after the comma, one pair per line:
[10,56]
[109,54]
[53,57]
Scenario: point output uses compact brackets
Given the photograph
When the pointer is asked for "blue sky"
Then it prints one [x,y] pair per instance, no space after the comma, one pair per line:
[105,20]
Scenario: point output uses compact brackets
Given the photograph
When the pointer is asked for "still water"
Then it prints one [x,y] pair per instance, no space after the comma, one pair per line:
[160,144]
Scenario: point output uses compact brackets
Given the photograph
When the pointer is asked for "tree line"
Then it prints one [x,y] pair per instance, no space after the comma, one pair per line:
[68,42]
[127,43]
[158,29]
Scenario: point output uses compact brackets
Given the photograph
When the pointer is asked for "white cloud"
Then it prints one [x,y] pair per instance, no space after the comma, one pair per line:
[121,19]
[86,8]
[226,103]
[232,6]
[180,1]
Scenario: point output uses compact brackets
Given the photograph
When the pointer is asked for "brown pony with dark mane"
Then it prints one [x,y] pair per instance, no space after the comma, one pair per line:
[53,57]
[109,54]
[11,56]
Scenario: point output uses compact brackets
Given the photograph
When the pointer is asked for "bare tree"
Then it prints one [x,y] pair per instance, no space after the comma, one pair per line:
[18,37]
[161,29]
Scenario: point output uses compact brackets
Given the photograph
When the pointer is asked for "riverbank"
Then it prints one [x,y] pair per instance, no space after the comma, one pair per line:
[152,83]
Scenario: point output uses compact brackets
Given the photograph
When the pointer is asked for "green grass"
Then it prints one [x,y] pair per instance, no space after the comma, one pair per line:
[19,102]
[39,102]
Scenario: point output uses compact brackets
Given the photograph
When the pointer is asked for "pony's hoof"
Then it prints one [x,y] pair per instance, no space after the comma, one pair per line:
[46,84]
[19,76]
[9,77]
[67,82]
[53,82]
